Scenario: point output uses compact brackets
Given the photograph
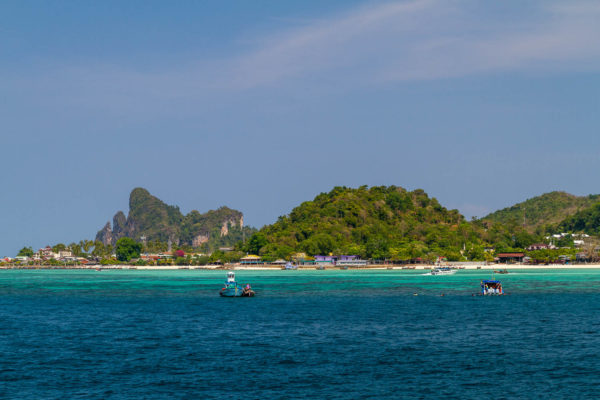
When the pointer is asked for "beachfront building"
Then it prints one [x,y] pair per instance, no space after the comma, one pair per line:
[325,260]
[149,257]
[510,258]
[156,256]
[582,257]
[302,259]
[46,252]
[342,260]
[351,261]
[65,254]
[72,259]
[251,259]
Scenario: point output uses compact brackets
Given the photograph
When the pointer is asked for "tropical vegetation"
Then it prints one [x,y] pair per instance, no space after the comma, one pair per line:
[127,248]
[542,213]
[382,223]
[379,223]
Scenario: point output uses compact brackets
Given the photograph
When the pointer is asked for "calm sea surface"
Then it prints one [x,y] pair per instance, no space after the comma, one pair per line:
[308,334]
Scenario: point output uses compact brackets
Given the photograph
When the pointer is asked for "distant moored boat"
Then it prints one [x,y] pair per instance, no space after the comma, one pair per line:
[289,265]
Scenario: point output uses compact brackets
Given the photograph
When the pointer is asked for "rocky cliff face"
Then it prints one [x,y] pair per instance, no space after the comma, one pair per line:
[105,235]
[152,218]
[233,221]
[200,239]
[119,227]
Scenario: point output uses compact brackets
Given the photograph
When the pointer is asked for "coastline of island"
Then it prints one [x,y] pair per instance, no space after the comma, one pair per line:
[379,227]
[240,267]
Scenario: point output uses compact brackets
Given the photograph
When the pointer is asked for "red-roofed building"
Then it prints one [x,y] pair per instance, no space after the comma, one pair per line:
[509,258]
[46,252]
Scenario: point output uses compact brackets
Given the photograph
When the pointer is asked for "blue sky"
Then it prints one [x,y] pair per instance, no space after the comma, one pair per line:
[262,105]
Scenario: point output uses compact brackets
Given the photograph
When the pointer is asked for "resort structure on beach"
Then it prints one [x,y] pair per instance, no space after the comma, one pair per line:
[255,254]
[341,260]
[47,254]
[48,258]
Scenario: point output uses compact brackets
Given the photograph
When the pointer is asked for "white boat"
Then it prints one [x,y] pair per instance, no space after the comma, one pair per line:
[289,265]
[442,271]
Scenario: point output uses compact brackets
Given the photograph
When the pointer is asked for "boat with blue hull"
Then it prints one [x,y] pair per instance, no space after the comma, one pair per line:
[232,289]
[491,287]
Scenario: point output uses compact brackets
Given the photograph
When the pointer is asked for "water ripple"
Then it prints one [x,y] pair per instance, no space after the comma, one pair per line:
[151,335]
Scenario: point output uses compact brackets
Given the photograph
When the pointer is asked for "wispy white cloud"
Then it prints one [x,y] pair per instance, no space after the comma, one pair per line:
[426,39]
[376,44]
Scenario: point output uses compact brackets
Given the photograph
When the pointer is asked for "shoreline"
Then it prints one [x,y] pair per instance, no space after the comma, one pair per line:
[311,268]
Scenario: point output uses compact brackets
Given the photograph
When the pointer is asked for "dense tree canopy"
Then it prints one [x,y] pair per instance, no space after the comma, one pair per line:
[58,247]
[541,212]
[127,248]
[587,220]
[382,223]
[25,252]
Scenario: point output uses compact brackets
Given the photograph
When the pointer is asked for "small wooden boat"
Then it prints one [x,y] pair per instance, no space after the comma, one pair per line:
[502,271]
[232,289]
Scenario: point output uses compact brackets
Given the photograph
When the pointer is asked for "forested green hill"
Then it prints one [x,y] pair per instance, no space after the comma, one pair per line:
[380,222]
[587,221]
[542,211]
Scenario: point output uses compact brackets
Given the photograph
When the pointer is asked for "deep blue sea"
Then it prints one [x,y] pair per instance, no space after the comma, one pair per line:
[307,334]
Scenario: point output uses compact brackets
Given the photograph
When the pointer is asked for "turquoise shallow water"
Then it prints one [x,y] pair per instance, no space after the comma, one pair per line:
[202,283]
[317,334]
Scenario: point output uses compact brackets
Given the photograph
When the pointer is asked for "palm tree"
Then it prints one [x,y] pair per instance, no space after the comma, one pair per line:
[87,245]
